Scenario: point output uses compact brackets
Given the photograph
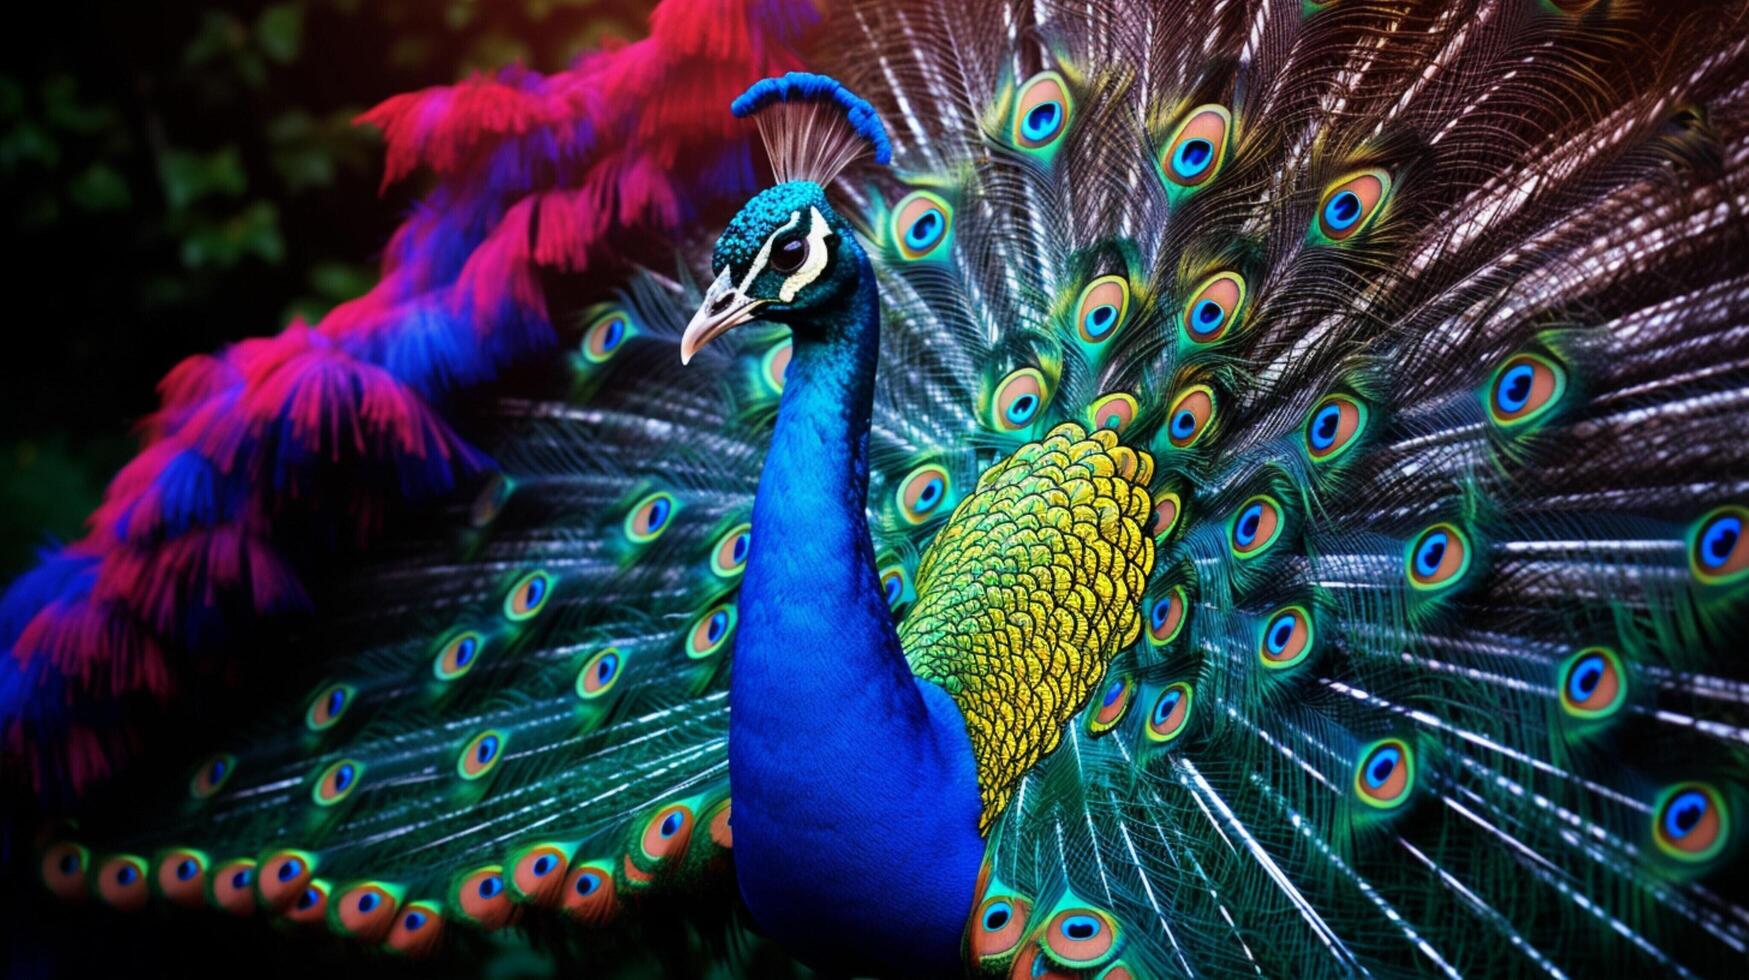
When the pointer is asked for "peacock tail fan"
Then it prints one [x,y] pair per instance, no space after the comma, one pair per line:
[1419,329]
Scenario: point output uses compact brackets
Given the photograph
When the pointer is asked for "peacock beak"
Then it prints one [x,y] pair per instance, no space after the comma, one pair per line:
[725,307]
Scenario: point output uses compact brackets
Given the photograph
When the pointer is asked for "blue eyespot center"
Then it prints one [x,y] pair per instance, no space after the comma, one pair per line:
[658,515]
[1112,693]
[1100,319]
[1382,765]
[1431,553]
[290,869]
[240,880]
[336,701]
[1245,532]
[1719,540]
[930,495]
[343,778]
[671,824]
[1042,121]
[1161,610]
[1587,674]
[1281,633]
[893,587]
[414,921]
[1324,426]
[587,883]
[1163,709]
[1080,928]
[1513,391]
[997,916]
[1192,157]
[308,899]
[613,333]
[1342,211]
[69,863]
[543,865]
[126,874]
[488,748]
[926,230]
[367,902]
[1206,316]
[464,651]
[1021,409]
[184,871]
[740,551]
[491,886]
[537,587]
[1184,424]
[605,670]
[217,772]
[1684,812]
[719,625]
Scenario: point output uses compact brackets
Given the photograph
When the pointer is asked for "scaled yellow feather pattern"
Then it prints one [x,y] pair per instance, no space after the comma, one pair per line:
[1027,592]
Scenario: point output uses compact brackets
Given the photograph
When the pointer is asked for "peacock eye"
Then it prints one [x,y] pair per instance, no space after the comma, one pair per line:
[1019,398]
[1332,427]
[605,335]
[774,366]
[1171,711]
[1197,148]
[1718,551]
[1523,388]
[367,911]
[1166,617]
[922,492]
[894,586]
[1691,822]
[1114,411]
[311,904]
[650,517]
[1102,309]
[529,594]
[483,898]
[710,631]
[480,756]
[1113,705]
[211,776]
[1189,417]
[1287,638]
[1166,511]
[1256,526]
[457,656]
[1593,684]
[1215,308]
[1438,557]
[337,782]
[921,221]
[1386,774]
[1350,204]
[327,707]
[589,895]
[1001,924]
[1080,937]
[182,877]
[1041,112]
[668,832]
[532,872]
[599,673]
[122,882]
[788,252]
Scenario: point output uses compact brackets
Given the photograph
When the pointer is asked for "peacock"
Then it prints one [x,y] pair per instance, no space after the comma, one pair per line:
[1094,489]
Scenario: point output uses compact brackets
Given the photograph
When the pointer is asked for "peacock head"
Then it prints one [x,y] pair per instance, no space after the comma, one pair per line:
[786,257]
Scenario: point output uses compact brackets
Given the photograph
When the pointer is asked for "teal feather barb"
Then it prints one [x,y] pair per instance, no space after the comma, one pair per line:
[1254,488]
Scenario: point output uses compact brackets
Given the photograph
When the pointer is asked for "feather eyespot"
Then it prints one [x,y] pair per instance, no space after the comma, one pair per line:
[1718,550]
[310,905]
[367,911]
[1019,399]
[717,823]
[650,517]
[1593,684]
[1524,388]
[417,930]
[1256,526]
[1351,204]
[481,755]
[1041,112]
[1166,617]
[234,886]
[921,222]
[1081,938]
[212,776]
[923,492]
[1690,822]
[490,501]
[895,586]
[1333,426]
[284,876]
[1287,638]
[600,672]
[1112,706]
[999,925]
[539,873]
[1197,148]
[1189,417]
[729,555]
[711,631]
[1171,711]
[63,870]
[774,365]
[1438,557]
[606,336]
[528,596]
[1167,510]
[589,894]
[457,655]
[337,781]
[121,882]
[1114,411]
[667,833]
[1103,308]
[182,877]
[1386,774]
[328,707]
[483,899]
[1215,308]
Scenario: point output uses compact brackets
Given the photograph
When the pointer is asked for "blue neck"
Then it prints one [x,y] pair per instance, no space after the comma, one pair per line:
[856,794]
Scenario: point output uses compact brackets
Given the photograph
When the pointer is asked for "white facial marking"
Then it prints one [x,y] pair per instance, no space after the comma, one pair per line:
[814,264]
[764,256]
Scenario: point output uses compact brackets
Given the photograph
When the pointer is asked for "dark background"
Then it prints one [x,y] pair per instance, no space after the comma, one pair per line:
[177,175]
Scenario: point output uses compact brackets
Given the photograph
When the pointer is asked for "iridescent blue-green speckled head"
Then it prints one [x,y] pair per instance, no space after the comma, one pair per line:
[788,257]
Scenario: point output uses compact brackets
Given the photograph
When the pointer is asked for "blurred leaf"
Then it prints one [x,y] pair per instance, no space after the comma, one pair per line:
[220,36]
[63,109]
[340,281]
[188,177]
[279,31]
[99,188]
[11,98]
[28,143]
[251,232]
[46,488]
